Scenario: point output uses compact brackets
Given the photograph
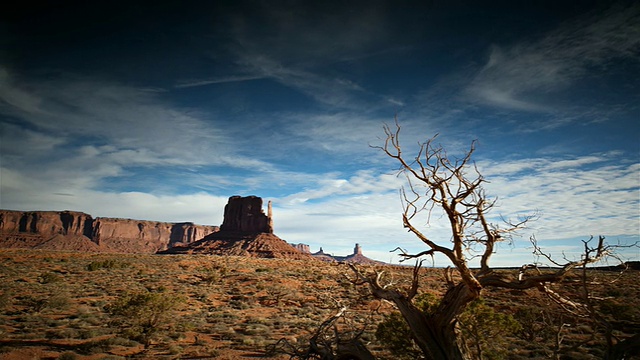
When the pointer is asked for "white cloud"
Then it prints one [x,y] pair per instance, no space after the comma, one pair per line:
[587,195]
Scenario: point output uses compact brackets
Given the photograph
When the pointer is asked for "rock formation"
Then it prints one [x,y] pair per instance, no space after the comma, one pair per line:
[245,231]
[303,248]
[244,214]
[321,255]
[357,256]
[46,223]
[357,250]
[147,236]
[49,229]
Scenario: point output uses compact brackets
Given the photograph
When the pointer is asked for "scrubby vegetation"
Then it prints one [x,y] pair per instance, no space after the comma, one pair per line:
[210,306]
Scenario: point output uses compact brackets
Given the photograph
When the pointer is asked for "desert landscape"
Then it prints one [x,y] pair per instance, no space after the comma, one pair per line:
[327,180]
[240,292]
[56,304]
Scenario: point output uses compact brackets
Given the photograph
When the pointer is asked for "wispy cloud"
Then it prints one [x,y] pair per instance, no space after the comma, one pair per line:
[139,127]
[524,75]
[298,48]
[327,90]
[223,80]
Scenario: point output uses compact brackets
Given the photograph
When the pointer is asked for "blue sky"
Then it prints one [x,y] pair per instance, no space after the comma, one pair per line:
[162,110]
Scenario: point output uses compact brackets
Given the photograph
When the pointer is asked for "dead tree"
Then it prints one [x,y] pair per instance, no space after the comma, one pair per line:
[455,186]
[327,343]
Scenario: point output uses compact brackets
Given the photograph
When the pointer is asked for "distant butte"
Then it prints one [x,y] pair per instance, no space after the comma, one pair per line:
[356,258]
[245,231]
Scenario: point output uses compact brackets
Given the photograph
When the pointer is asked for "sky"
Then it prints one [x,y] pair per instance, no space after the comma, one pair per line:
[163,110]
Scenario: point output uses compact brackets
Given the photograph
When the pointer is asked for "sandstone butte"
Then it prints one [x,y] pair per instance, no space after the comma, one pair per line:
[245,231]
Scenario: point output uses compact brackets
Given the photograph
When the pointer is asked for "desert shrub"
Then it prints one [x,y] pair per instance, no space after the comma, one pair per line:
[614,309]
[241,302]
[49,278]
[61,333]
[535,323]
[58,302]
[68,355]
[35,304]
[106,264]
[5,300]
[88,333]
[175,349]
[256,329]
[275,294]
[102,346]
[394,334]
[483,329]
[427,302]
[143,315]
[209,276]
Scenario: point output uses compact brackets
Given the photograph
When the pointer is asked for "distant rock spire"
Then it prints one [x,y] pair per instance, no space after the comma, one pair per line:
[269,217]
[357,250]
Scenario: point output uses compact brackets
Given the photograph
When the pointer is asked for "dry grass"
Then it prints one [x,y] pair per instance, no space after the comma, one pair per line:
[56,304]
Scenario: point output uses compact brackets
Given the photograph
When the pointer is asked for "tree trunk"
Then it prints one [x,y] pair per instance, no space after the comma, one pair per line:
[624,349]
[436,334]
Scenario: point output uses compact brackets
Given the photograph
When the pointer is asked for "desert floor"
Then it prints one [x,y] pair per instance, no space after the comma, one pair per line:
[74,306]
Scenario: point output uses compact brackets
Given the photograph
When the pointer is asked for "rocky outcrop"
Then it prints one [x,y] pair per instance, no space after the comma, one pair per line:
[357,257]
[46,223]
[321,255]
[303,248]
[245,231]
[357,250]
[262,245]
[49,229]
[245,214]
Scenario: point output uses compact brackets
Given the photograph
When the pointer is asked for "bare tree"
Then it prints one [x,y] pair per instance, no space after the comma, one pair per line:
[455,186]
[327,343]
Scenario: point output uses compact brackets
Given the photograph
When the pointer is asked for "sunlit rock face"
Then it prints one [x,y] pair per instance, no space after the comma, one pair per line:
[46,223]
[146,236]
[72,230]
[303,248]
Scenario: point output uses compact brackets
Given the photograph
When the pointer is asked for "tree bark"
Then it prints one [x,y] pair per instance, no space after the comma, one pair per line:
[436,335]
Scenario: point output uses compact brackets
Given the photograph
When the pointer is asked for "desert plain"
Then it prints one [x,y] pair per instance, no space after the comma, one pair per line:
[69,305]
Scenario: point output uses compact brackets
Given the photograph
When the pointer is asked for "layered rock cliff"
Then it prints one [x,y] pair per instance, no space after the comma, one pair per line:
[49,229]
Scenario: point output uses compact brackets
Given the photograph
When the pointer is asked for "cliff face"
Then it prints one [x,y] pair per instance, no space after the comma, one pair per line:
[244,214]
[303,248]
[36,228]
[46,223]
[147,236]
